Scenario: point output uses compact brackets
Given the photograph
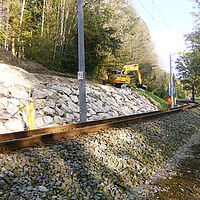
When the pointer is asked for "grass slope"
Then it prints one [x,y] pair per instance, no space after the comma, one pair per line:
[161,103]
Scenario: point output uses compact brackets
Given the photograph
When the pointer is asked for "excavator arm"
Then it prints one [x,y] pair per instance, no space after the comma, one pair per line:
[139,77]
[128,68]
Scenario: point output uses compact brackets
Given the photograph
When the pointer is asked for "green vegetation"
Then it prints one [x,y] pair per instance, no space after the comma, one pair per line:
[161,103]
[188,64]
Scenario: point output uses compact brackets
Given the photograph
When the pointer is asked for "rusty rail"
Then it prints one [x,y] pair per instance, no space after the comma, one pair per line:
[22,139]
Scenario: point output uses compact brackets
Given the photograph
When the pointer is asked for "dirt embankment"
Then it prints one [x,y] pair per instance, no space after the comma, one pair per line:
[30,66]
[6,57]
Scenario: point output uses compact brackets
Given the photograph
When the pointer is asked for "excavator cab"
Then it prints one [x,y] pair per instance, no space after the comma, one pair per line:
[118,79]
[115,72]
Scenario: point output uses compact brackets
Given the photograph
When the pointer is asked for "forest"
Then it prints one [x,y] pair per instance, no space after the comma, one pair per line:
[46,31]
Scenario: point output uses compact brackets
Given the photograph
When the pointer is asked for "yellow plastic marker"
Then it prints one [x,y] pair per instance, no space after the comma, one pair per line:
[30,117]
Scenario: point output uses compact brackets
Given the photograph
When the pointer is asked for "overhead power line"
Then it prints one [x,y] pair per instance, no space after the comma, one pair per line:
[160,13]
[157,24]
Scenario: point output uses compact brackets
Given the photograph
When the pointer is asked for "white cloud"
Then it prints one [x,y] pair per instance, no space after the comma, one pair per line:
[166,42]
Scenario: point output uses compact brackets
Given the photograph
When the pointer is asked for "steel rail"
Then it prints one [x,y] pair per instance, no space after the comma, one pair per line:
[41,131]
[22,139]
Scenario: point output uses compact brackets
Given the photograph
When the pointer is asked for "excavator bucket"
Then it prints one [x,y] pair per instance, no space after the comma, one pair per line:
[142,86]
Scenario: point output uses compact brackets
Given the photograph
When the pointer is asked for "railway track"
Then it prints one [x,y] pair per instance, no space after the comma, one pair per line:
[36,137]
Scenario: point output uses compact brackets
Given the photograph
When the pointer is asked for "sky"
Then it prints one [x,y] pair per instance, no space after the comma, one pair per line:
[168,22]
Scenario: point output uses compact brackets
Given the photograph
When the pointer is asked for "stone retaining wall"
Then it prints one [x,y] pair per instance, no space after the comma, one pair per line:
[56,100]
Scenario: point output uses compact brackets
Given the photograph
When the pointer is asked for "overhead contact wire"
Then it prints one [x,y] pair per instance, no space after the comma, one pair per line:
[159,12]
[150,15]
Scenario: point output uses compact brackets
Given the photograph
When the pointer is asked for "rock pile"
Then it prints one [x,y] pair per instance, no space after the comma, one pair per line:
[56,100]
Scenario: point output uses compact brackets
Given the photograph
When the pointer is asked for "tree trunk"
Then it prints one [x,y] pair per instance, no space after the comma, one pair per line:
[6,26]
[62,16]
[193,91]
[20,24]
[22,13]
[13,46]
[64,30]
[42,25]
[56,39]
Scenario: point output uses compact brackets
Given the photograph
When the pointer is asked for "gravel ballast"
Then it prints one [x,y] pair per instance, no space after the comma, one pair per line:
[116,164]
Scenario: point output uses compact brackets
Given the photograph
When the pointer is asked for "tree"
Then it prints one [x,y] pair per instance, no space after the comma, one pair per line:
[188,65]
[135,44]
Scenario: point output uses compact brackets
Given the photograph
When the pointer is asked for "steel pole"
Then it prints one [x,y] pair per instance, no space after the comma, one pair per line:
[171,83]
[81,64]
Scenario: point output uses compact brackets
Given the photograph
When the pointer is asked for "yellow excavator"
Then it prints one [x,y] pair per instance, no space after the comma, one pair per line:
[118,78]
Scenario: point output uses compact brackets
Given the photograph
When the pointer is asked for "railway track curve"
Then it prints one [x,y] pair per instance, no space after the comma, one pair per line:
[17,140]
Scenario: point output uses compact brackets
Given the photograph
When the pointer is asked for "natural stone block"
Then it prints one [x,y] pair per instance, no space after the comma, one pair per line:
[59,112]
[74,99]
[39,94]
[73,107]
[65,98]
[66,90]
[69,117]
[51,103]
[48,120]
[12,109]
[66,109]
[49,111]
[57,119]
[14,124]
[39,122]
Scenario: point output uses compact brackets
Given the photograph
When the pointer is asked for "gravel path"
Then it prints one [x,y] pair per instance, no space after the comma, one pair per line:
[120,163]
